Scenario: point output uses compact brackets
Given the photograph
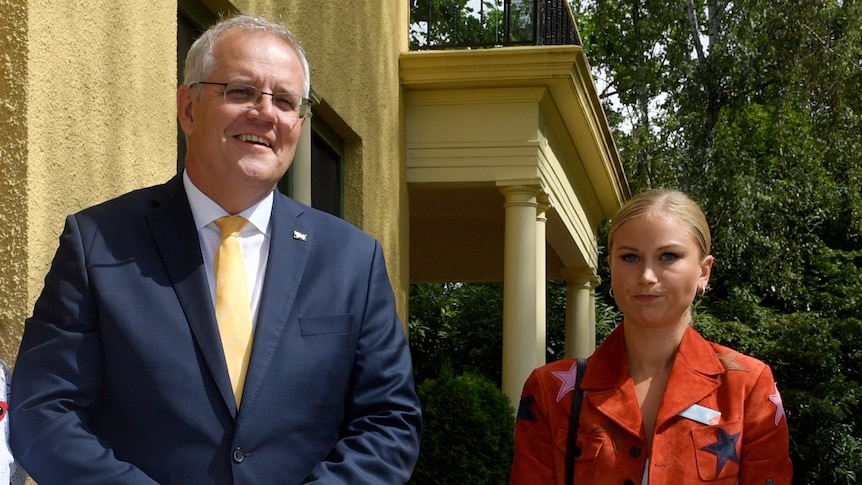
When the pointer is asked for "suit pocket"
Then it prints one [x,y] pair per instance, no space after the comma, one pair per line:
[332,325]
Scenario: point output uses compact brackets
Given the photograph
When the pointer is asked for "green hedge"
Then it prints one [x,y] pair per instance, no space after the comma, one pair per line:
[468,431]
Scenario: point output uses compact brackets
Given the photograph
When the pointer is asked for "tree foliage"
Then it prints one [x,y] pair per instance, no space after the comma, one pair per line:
[440,23]
[457,326]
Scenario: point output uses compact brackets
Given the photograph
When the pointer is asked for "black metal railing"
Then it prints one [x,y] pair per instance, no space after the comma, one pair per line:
[451,24]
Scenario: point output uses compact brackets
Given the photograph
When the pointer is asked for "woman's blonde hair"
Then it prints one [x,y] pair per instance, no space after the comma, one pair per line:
[672,203]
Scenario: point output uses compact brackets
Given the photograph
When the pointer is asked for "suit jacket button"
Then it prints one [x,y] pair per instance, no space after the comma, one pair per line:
[238,455]
[635,451]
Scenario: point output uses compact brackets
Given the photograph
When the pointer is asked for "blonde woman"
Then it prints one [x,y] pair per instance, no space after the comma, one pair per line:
[660,403]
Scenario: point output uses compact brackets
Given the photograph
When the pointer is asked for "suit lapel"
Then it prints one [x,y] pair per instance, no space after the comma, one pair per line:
[288,255]
[173,228]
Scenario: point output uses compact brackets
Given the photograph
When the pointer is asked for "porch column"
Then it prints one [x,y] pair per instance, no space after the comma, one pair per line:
[543,204]
[520,279]
[301,166]
[580,311]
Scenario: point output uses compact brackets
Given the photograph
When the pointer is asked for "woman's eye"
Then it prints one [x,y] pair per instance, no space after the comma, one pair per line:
[629,258]
[669,256]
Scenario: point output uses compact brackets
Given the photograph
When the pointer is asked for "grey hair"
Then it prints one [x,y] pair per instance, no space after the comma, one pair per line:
[200,62]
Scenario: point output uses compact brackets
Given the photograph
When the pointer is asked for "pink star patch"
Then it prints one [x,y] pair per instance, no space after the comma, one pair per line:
[568,380]
[776,399]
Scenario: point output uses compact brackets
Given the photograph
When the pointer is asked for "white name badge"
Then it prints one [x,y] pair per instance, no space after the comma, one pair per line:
[702,415]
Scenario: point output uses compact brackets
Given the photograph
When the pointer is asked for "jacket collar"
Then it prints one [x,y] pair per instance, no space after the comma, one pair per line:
[695,374]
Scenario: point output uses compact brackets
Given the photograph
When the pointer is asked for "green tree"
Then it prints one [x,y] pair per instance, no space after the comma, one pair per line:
[440,23]
[458,326]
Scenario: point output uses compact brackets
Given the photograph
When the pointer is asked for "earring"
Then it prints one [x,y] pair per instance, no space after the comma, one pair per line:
[611,293]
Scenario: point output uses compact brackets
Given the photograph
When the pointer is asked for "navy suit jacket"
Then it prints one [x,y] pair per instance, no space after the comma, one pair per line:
[121,378]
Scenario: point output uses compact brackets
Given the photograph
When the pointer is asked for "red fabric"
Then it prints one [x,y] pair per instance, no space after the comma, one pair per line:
[749,443]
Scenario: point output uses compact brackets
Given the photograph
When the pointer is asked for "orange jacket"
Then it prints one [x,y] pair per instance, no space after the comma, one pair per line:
[747,444]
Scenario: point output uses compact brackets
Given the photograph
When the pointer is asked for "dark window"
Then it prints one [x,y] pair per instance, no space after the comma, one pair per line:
[326,175]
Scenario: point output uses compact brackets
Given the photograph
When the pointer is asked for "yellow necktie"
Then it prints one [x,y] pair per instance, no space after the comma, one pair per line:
[233,308]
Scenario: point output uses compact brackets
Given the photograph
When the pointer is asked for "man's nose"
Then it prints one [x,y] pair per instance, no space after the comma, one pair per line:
[265,109]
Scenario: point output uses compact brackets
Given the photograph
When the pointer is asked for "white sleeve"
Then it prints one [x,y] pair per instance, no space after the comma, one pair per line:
[10,472]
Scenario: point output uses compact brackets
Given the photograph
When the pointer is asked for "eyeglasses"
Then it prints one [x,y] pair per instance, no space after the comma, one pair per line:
[249,97]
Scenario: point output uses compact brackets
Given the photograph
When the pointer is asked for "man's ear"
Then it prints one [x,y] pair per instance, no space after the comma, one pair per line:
[185,105]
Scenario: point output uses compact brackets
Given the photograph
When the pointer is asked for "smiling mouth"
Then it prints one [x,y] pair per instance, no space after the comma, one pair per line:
[254,139]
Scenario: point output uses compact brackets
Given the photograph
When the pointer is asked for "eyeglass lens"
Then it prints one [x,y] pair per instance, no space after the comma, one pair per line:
[248,97]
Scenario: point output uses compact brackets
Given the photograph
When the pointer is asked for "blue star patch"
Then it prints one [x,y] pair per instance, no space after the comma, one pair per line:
[525,408]
[724,448]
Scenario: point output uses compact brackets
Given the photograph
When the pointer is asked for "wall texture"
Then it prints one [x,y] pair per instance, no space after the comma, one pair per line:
[13,173]
[92,111]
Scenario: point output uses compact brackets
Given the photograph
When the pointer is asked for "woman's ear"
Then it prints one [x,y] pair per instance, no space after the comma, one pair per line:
[705,271]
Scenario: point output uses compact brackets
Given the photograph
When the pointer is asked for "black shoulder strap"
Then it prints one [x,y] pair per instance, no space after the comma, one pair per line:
[572,450]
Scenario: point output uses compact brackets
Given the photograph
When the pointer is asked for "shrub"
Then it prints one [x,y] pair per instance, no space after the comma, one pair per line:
[468,431]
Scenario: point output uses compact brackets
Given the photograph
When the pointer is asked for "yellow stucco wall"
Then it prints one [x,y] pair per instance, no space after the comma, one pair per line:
[13,173]
[94,117]
[88,111]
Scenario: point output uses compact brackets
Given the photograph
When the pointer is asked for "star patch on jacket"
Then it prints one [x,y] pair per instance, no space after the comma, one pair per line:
[730,363]
[525,408]
[568,379]
[724,448]
[779,406]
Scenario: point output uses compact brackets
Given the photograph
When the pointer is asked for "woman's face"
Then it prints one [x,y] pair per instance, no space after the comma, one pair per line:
[656,269]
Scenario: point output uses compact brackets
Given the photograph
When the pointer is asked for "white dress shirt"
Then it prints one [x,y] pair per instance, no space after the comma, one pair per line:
[254,239]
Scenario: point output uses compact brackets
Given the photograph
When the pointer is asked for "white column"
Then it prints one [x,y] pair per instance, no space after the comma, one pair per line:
[301,165]
[543,204]
[519,288]
[580,311]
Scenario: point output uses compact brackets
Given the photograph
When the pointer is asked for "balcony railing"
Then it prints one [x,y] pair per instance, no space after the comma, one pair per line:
[460,24]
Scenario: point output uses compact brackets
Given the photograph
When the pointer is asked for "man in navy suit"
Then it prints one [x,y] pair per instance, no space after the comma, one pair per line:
[121,376]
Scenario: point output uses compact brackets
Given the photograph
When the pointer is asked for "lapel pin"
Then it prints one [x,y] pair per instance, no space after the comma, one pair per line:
[300,236]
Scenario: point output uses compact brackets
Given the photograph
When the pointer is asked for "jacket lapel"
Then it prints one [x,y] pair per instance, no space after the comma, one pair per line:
[288,255]
[609,385]
[173,228]
[694,376]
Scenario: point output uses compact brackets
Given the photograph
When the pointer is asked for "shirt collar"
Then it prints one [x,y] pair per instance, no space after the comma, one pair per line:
[206,210]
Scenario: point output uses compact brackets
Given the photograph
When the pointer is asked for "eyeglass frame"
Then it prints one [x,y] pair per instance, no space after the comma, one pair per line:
[303,101]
